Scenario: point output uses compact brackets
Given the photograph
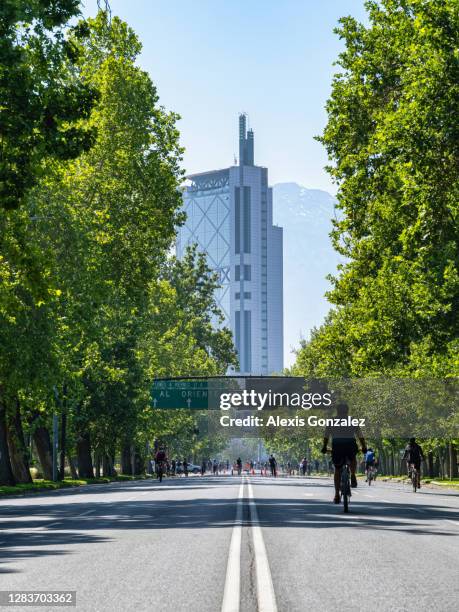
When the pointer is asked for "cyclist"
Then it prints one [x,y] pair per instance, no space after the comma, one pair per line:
[161,462]
[344,447]
[370,461]
[413,456]
[239,466]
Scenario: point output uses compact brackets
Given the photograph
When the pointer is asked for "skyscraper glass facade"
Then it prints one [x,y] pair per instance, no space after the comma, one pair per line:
[229,217]
[207,207]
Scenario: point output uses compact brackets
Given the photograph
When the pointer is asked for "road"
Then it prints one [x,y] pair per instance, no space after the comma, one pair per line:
[228,543]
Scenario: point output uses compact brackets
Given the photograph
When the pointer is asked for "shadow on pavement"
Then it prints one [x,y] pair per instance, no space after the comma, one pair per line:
[28,536]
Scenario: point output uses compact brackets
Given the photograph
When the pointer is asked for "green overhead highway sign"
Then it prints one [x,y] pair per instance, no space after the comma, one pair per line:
[193,394]
[179,394]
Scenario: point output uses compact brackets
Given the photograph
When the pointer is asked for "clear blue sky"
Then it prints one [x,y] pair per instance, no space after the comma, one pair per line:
[211,59]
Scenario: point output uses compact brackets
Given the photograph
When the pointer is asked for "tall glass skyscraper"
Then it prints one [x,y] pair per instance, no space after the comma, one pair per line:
[229,216]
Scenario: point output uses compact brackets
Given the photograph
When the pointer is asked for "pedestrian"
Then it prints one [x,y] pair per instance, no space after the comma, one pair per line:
[185,467]
[273,465]
[304,466]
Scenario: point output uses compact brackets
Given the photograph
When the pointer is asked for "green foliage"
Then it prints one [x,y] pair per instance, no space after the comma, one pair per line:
[92,305]
[393,139]
[43,95]
[393,142]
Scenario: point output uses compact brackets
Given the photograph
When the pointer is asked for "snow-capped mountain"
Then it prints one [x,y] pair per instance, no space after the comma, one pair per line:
[305,215]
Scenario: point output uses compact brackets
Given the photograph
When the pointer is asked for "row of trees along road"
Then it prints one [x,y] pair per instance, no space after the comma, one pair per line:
[92,304]
[392,138]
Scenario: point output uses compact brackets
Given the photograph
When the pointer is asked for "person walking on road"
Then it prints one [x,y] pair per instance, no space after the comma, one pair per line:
[239,466]
[304,466]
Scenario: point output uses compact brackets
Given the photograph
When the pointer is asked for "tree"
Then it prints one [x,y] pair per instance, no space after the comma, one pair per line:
[393,140]
[92,306]
[43,94]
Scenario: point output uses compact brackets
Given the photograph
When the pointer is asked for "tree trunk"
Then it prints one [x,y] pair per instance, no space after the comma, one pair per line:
[72,466]
[112,458]
[6,472]
[126,467]
[63,436]
[437,466]
[107,466]
[139,463]
[19,455]
[97,464]
[430,464]
[83,445]
[132,459]
[447,471]
[42,442]
[452,460]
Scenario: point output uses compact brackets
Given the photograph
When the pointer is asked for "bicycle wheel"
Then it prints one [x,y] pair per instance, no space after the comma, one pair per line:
[346,502]
[345,488]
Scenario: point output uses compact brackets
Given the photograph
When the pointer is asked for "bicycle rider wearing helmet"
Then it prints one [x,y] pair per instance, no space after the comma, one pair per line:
[413,456]
[161,459]
[369,460]
[344,446]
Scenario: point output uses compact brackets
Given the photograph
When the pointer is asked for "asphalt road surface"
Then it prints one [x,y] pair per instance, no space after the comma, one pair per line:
[235,543]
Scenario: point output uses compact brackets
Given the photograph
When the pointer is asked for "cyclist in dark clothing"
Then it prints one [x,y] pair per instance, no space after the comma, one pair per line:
[161,463]
[413,456]
[344,447]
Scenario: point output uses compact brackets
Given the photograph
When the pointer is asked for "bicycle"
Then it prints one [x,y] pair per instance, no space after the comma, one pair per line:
[160,471]
[414,477]
[370,475]
[345,483]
